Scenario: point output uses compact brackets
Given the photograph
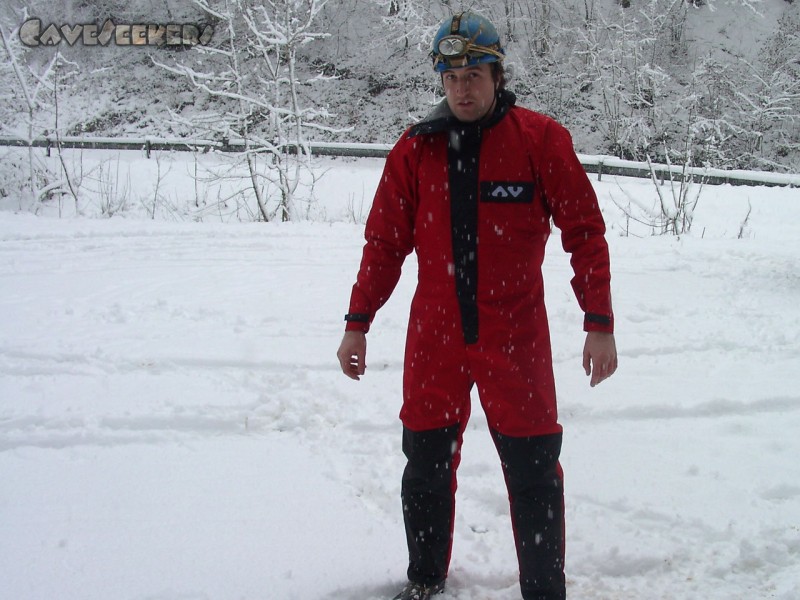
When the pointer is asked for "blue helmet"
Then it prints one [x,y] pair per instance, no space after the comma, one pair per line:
[464,40]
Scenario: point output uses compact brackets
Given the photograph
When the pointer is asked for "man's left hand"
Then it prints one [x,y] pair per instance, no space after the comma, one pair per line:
[599,356]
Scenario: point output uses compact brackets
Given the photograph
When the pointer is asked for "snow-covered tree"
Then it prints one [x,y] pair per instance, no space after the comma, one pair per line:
[253,76]
[778,91]
[30,107]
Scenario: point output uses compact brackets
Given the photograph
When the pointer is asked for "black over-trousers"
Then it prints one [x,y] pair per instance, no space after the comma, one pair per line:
[536,495]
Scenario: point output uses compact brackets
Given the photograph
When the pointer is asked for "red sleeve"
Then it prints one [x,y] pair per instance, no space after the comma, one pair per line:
[576,213]
[389,233]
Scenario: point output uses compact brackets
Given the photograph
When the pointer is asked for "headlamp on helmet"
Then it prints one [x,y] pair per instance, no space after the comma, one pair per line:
[453,46]
[464,40]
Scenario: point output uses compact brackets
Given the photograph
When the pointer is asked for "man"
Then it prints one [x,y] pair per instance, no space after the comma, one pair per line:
[472,189]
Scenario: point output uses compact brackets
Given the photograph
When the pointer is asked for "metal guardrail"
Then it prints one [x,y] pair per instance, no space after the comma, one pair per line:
[149,145]
[598,164]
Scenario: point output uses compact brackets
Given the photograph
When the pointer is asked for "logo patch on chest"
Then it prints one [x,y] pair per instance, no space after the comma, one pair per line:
[520,192]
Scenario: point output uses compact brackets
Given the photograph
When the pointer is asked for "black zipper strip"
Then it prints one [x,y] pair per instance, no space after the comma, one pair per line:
[463,153]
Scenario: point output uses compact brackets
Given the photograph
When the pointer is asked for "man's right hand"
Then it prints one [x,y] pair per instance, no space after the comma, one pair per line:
[352,354]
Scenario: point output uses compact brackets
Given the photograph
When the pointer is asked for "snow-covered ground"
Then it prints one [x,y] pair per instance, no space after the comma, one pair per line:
[174,425]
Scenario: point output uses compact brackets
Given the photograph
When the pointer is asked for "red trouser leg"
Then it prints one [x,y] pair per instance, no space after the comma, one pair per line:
[536,493]
[428,495]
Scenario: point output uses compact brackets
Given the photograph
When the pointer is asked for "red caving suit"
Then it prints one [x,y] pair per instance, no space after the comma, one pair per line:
[475,203]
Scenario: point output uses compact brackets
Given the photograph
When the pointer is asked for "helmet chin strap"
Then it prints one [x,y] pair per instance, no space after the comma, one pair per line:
[490,111]
[494,100]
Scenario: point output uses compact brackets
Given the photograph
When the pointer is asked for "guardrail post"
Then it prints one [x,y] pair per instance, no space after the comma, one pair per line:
[599,170]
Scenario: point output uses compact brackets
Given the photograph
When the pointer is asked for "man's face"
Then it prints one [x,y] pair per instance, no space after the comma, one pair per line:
[470,91]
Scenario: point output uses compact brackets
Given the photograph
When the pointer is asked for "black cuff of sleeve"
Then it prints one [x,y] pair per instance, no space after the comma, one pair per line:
[599,319]
[358,317]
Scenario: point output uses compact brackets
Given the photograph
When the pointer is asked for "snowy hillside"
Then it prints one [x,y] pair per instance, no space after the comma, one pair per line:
[626,81]
[174,424]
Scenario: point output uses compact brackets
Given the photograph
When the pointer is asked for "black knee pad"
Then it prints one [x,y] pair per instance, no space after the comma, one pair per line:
[430,459]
